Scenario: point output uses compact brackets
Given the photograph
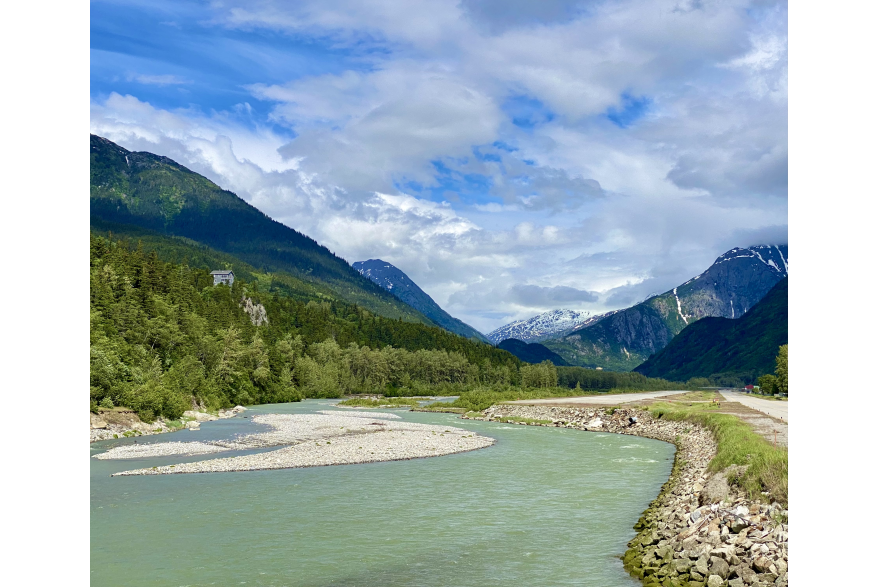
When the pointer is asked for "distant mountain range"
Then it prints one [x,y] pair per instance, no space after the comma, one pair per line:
[395,281]
[141,190]
[548,325]
[531,352]
[624,339]
[743,348]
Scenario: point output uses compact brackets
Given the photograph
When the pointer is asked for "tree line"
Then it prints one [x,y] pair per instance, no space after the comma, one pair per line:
[779,381]
[164,338]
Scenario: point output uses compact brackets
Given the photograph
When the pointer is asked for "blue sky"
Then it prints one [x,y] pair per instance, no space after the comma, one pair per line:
[613,147]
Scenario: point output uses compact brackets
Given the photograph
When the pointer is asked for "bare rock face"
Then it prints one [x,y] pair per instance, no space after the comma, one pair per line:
[256,312]
[98,423]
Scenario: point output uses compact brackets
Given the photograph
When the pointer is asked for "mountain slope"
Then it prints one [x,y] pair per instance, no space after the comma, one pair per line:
[728,288]
[745,346]
[154,192]
[551,324]
[400,285]
[531,352]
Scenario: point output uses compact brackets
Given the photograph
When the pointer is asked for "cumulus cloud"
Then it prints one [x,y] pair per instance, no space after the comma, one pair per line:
[511,157]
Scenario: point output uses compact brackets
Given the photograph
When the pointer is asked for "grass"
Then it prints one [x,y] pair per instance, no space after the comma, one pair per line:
[386,402]
[698,396]
[517,420]
[445,407]
[480,399]
[738,444]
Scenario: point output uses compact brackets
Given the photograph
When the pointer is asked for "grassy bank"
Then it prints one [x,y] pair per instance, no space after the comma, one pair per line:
[479,399]
[392,402]
[738,444]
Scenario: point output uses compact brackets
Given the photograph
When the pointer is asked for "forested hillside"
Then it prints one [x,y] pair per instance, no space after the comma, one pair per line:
[156,193]
[531,352]
[162,334]
[725,350]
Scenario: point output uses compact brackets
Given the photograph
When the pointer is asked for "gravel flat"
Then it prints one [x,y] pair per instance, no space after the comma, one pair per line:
[312,440]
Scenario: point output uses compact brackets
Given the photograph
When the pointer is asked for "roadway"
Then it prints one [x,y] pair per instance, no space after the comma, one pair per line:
[777,409]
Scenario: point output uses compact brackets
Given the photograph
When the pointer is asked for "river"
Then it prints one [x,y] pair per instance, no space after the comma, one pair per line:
[542,507]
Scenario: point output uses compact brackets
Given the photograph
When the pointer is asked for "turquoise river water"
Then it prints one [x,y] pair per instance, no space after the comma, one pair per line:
[542,507]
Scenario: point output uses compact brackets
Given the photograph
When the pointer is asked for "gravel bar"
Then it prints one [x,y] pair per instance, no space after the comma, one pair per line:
[313,440]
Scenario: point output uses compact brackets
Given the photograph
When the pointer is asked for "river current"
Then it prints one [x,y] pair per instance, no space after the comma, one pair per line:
[541,507]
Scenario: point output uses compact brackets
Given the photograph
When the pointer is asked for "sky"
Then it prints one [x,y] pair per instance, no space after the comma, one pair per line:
[510,156]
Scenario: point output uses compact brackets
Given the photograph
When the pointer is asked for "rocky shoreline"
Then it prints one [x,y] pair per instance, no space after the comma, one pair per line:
[700,531]
[125,424]
[311,440]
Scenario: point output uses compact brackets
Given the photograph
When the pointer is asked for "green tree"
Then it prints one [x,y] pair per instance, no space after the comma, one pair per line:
[768,384]
[782,370]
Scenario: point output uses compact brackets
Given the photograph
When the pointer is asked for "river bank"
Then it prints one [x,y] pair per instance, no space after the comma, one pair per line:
[700,530]
[311,440]
[122,423]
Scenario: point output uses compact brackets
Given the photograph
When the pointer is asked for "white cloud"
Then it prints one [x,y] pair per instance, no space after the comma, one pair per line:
[573,212]
[158,80]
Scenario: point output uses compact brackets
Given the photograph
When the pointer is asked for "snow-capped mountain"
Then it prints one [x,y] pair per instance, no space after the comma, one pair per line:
[551,324]
[733,284]
[394,280]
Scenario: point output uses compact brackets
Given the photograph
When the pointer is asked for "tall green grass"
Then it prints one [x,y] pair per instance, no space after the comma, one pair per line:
[738,444]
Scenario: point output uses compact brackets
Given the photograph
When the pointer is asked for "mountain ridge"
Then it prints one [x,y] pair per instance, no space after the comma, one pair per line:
[626,338]
[744,347]
[154,192]
[546,325]
[395,281]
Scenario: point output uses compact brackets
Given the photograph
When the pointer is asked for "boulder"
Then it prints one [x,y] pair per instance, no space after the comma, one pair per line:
[714,581]
[98,423]
[745,573]
[702,566]
[193,425]
[716,489]
[594,424]
[719,567]
[738,582]
[762,564]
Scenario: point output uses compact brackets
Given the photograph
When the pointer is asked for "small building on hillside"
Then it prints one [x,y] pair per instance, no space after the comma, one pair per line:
[225,276]
[748,388]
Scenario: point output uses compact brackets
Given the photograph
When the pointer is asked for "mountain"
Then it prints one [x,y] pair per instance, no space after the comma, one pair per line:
[733,284]
[531,352]
[140,189]
[745,347]
[400,285]
[551,324]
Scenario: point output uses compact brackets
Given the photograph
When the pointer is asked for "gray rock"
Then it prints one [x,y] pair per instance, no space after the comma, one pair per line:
[702,565]
[762,564]
[716,489]
[745,573]
[738,582]
[719,567]
[714,581]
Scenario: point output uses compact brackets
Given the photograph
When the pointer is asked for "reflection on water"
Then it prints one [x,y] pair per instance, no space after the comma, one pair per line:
[544,506]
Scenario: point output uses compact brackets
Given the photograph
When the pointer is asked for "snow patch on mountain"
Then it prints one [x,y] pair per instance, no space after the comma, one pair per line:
[547,325]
